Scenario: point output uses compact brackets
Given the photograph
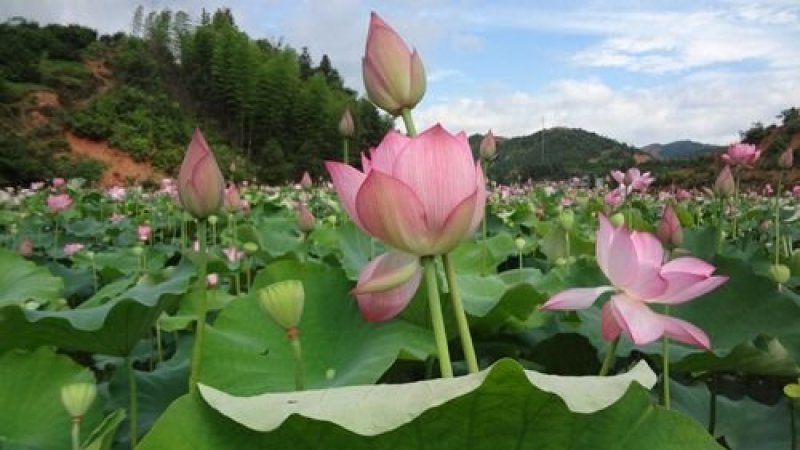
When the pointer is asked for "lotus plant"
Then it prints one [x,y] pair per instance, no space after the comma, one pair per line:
[347,130]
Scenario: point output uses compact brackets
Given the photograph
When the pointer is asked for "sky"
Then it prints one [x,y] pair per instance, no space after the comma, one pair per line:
[637,71]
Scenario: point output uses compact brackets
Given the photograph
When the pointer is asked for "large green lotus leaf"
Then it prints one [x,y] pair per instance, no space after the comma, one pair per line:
[352,247]
[468,257]
[484,294]
[502,407]
[769,359]
[277,235]
[744,423]
[22,280]
[102,438]
[31,413]
[112,328]
[246,353]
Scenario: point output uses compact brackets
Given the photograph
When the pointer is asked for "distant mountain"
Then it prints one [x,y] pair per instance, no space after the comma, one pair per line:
[557,153]
[680,150]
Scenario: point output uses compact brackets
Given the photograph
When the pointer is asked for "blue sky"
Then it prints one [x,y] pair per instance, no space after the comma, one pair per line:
[636,71]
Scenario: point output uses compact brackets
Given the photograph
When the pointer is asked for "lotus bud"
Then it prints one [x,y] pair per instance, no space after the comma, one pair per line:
[200,183]
[792,390]
[394,77]
[786,160]
[725,185]
[58,183]
[212,280]
[77,398]
[780,273]
[232,201]
[346,126]
[669,229]
[305,181]
[567,219]
[137,251]
[488,148]
[520,244]
[617,219]
[283,302]
[213,219]
[250,248]
[305,219]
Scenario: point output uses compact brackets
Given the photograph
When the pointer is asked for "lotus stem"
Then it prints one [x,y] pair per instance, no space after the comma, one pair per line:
[792,426]
[665,363]
[297,352]
[437,321]
[133,403]
[778,219]
[411,130]
[76,432]
[461,316]
[610,355]
[202,309]
[712,406]
[345,150]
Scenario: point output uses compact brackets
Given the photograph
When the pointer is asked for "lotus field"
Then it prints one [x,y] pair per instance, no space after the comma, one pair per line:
[407,302]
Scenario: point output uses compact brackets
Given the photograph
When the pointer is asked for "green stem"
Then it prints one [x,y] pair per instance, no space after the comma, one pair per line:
[778,220]
[712,407]
[485,244]
[201,309]
[55,238]
[792,426]
[720,222]
[461,316]
[736,200]
[345,150]
[297,351]
[610,356]
[665,364]
[133,403]
[159,347]
[437,321]
[411,130]
[76,433]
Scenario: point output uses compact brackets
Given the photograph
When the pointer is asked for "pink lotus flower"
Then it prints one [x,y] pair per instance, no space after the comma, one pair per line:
[143,231]
[58,203]
[796,191]
[741,154]
[488,148]
[232,201]
[305,181]
[683,195]
[669,229]
[422,195]
[393,76]
[72,248]
[346,126]
[233,254]
[633,179]
[212,280]
[386,285]
[725,186]
[58,182]
[305,219]
[633,263]
[117,193]
[200,182]
[614,198]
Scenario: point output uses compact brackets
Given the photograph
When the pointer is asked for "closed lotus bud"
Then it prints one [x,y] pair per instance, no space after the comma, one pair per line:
[669,229]
[305,219]
[77,398]
[346,126]
[725,185]
[212,280]
[232,201]
[786,160]
[200,183]
[792,390]
[394,77]
[567,219]
[305,181]
[488,148]
[213,219]
[520,244]
[283,302]
[617,219]
[780,273]
[250,248]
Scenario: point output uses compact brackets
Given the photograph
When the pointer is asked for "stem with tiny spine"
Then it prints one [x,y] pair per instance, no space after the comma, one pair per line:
[202,309]
[461,316]
[610,355]
[437,321]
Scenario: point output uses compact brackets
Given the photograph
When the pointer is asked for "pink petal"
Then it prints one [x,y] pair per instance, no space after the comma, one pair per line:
[648,282]
[481,202]
[391,212]
[384,155]
[386,272]
[636,319]
[366,165]
[688,264]
[575,298]
[457,227]
[440,170]
[384,305]
[685,332]
[605,235]
[648,249]
[620,265]
[683,287]
[347,182]
[609,328]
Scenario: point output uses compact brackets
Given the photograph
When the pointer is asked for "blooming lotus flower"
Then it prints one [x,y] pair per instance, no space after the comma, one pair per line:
[421,195]
[200,183]
[488,147]
[394,77]
[346,126]
[669,229]
[633,263]
[58,203]
[725,185]
[72,248]
[741,154]
[386,285]
[633,179]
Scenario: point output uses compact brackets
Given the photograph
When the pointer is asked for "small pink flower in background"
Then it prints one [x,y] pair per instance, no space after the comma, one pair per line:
[117,193]
[233,254]
[386,285]
[725,185]
[634,264]
[346,125]
[58,203]
[421,195]
[72,248]
[212,280]
[767,189]
[143,231]
[305,219]
[37,185]
[232,201]
[305,181]
[786,160]
[633,179]
[488,147]
[683,195]
[669,229]
[58,183]
[741,154]
[567,201]
[394,77]
[614,198]
[796,191]
[25,247]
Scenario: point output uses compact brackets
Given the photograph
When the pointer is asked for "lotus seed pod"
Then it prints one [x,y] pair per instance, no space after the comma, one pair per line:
[567,219]
[780,273]
[617,219]
[250,248]
[520,244]
[138,250]
[792,391]
[283,302]
[78,397]
[213,219]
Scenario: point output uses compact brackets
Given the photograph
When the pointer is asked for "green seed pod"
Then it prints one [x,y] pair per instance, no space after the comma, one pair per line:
[780,273]
[283,302]
[617,219]
[567,219]
[520,244]
[78,397]
[250,248]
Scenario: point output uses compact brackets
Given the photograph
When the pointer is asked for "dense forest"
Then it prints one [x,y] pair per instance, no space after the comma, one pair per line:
[268,110]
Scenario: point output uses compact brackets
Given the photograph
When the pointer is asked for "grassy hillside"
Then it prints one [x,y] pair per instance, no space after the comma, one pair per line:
[680,150]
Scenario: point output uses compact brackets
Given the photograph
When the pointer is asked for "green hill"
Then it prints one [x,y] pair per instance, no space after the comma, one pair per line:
[680,149]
